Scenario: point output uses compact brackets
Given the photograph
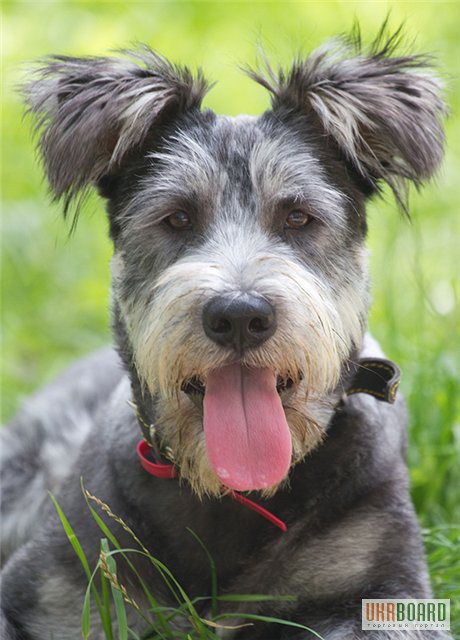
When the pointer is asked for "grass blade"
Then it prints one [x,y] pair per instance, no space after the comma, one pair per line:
[82,557]
[213,569]
[269,619]
[256,598]
[105,590]
[72,538]
[85,613]
[117,595]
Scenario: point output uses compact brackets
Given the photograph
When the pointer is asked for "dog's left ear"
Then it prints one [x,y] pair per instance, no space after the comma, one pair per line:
[92,113]
[383,111]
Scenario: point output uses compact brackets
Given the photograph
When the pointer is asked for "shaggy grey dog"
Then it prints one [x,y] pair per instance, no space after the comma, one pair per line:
[240,297]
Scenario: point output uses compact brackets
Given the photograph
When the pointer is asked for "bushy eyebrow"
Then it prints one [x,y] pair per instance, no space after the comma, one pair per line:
[182,174]
[283,171]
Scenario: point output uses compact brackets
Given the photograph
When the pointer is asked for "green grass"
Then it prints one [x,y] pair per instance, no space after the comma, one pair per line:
[55,289]
[108,599]
[179,622]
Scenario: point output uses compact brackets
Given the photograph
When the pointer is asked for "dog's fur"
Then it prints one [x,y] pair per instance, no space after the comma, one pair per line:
[343,122]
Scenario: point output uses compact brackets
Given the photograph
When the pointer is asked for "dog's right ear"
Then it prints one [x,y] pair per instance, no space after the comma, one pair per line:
[91,113]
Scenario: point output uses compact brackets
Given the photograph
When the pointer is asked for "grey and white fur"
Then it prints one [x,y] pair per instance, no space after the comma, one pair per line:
[202,208]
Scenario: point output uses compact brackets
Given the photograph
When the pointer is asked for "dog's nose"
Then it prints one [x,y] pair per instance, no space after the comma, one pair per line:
[242,322]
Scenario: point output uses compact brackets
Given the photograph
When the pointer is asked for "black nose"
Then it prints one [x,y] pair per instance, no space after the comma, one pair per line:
[242,322]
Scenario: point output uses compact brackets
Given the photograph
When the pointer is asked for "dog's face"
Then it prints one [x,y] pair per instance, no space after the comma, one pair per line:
[239,274]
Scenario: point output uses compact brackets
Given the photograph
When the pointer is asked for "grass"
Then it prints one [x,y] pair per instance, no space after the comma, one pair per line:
[55,290]
[110,598]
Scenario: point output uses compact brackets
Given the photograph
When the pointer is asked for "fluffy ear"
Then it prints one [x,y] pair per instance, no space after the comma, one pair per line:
[92,112]
[383,110]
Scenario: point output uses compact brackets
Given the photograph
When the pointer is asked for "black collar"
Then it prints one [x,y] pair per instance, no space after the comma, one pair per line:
[377,377]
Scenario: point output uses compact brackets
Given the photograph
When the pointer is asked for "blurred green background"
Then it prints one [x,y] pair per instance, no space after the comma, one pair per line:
[55,289]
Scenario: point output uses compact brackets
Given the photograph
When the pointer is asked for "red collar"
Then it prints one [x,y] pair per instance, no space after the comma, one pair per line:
[167,472]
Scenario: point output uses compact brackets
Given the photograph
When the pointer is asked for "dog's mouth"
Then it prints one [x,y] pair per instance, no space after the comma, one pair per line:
[195,389]
[248,440]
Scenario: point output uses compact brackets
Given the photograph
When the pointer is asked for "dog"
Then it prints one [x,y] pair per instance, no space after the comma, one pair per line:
[269,419]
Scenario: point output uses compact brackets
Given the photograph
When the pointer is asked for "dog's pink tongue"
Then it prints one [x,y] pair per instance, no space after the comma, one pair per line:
[247,437]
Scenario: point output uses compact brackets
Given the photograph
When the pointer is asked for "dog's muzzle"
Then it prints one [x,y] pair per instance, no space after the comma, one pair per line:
[247,437]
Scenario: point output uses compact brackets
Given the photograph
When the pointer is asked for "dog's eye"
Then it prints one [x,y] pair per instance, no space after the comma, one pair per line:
[297,220]
[179,220]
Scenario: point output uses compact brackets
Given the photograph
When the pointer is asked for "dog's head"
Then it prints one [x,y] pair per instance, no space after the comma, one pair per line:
[240,285]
